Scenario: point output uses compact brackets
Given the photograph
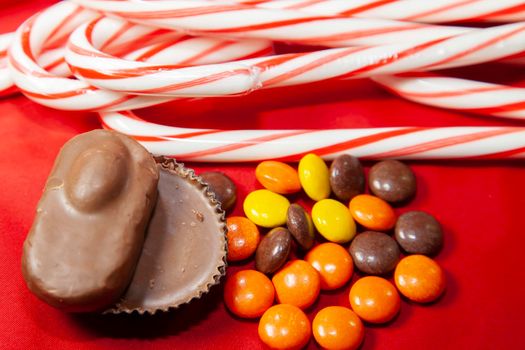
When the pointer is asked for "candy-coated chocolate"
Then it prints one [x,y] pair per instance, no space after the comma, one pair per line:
[222,186]
[248,293]
[392,181]
[243,237]
[419,233]
[314,177]
[300,225]
[334,264]
[333,220]
[374,253]
[278,177]
[273,250]
[297,283]
[420,278]
[265,208]
[347,177]
[372,212]
[284,327]
[338,327]
[374,299]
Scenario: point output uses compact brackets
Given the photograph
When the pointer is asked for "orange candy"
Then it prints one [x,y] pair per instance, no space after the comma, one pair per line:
[243,237]
[297,283]
[248,293]
[284,327]
[278,177]
[337,327]
[419,278]
[374,299]
[372,212]
[334,264]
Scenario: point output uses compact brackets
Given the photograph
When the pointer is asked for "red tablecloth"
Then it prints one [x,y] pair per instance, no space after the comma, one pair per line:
[481,206]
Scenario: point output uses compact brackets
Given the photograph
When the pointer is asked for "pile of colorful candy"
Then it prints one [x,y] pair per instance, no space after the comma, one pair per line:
[292,269]
[112,56]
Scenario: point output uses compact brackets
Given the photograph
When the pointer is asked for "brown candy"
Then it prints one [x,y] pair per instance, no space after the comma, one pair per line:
[185,248]
[419,233]
[374,253]
[89,226]
[347,177]
[273,250]
[300,225]
[222,186]
[392,181]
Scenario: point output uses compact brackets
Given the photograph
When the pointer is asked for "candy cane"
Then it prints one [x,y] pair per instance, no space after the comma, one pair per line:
[187,50]
[210,145]
[62,93]
[6,83]
[465,95]
[246,21]
[435,11]
[91,65]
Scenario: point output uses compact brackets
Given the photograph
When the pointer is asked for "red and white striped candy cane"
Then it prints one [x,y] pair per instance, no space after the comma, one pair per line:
[63,93]
[461,94]
[115,74]
[435,11]
[247,21]
[210,145]
[6,83]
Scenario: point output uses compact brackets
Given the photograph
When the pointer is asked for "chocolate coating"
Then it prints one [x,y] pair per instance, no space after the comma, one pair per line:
[374,253]
[185,249]
[347,177]
[300,225]
[222,186]
[392,181]
[90,222]
[419,233]
[273,250]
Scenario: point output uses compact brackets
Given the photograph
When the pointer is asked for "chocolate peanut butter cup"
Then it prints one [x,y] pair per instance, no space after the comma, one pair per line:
[184,253]
[88,232]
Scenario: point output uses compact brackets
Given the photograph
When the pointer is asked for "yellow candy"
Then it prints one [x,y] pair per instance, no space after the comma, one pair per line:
[314,177]
[333,220]
[265,208]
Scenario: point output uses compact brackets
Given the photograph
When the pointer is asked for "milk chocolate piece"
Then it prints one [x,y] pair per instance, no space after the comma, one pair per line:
[89,227]
[185,249]
[418,232]
[300,225]
[222,186]
[347,177]
[374,253]
[392,181]
[273,250]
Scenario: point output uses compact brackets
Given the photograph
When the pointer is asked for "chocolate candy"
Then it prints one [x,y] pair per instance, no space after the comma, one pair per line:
[372,212]
[419,233]
[392,181]
[347,177]
[300,226]
[222,186]
[185,248]
[265,208]
[278,177]
[374,253]
[314,177]
[273,250]
[333,221]
[89,227]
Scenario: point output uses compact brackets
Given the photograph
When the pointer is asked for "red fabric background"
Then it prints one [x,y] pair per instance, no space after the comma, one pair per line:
[480,205]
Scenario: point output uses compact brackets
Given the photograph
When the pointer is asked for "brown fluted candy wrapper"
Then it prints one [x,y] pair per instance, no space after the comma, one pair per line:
[184,253]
